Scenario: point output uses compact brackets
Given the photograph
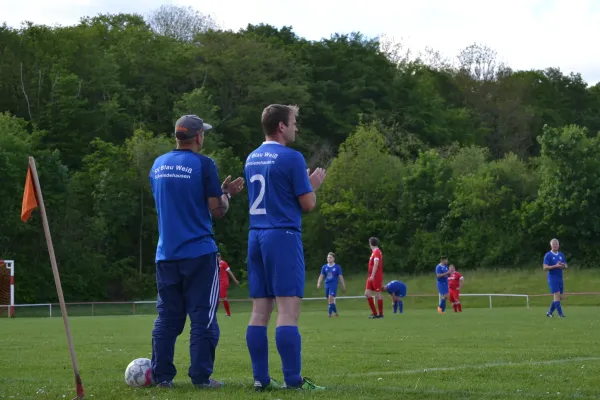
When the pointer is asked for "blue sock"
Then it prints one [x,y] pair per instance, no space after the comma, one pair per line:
[289,346]
[330,309]
[400,306]
[334,306]
[558,307]
[258,346]
[443,304]
[395,307]
[552,307]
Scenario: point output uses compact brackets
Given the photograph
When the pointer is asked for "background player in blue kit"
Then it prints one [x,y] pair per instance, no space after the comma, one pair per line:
[442,273]
[187,194]
[279,190]
[554,263]
[398,291]
[332,273]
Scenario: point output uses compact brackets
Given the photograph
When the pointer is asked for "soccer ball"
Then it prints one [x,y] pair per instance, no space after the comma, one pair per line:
[139,373]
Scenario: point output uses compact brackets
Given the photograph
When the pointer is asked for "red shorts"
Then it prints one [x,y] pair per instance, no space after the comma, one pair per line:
[453,295]
[223,291]
[374,285]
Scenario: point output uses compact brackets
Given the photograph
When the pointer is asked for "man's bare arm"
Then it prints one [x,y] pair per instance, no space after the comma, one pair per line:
[375,266]
[218,206]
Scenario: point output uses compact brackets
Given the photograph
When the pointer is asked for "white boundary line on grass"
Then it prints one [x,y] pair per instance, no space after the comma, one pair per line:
[475,366]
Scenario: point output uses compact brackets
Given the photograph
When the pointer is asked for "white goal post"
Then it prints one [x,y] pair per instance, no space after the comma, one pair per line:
[490,295]
[7,287]
[133,307]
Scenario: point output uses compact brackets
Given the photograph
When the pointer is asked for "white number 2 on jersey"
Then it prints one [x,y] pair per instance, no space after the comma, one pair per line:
[254,210]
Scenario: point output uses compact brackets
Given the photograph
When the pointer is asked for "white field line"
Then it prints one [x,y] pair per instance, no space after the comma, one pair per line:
[474,366]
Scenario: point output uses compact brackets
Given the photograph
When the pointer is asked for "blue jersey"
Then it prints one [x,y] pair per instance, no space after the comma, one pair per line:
[331,273]
[181,182]
[276,175]
[397,288]
[442,269]
[551,259]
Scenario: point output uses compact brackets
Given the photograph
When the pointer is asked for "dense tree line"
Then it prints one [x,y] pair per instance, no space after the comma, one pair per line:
[470,158]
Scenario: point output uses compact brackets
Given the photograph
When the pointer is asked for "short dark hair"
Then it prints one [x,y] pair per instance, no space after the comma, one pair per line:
[273,114]
[374,241]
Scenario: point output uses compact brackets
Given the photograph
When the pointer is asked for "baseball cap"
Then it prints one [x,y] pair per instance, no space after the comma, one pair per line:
[188,126]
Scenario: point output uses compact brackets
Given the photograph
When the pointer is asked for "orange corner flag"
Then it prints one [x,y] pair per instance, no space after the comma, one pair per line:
[29,199]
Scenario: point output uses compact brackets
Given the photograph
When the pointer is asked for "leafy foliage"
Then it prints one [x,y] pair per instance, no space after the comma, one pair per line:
[477,161]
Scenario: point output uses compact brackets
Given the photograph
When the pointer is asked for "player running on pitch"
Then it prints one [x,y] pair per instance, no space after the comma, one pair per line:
[398,291]
[554,263]
[375,279]
[442,273]
[332,272]
[224,274]
[455,282]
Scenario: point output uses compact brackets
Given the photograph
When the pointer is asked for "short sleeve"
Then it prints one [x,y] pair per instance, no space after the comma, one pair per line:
[323,270]
[377,254]
[212,186]
[340,269]
[300,182]
[547,259]
[438,269]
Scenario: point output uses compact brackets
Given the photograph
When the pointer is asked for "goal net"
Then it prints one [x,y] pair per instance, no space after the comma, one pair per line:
[7,288]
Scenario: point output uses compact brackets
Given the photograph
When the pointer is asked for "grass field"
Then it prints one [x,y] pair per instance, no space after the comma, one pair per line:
[507,352]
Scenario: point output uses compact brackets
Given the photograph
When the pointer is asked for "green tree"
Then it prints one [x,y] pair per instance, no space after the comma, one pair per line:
[569,191]
[359,197]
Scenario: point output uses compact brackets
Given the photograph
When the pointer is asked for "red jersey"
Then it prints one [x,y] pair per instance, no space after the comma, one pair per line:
[376,254]
[454,280]
[223,275]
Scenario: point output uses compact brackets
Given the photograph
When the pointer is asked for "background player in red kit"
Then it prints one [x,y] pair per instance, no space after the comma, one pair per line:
[224,273]
[375,279]
[455,281]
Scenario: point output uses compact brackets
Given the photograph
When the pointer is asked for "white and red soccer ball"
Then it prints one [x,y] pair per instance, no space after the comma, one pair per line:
[139,373]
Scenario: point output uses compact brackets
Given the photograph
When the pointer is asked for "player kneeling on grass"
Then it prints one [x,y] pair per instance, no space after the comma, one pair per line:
[455,281]
[224,274]
[332,272]
[398,291]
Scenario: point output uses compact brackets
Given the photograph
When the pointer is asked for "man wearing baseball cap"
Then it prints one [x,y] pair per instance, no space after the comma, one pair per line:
[187,194]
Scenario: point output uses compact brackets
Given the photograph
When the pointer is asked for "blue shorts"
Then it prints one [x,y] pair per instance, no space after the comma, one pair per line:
[556,286]
[331,290]
[442,288]
[275,263]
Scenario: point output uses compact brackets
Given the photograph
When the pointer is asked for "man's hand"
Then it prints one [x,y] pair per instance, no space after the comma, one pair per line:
[316,178]
[234,187]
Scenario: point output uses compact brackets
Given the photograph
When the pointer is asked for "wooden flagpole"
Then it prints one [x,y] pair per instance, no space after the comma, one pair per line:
[61,299]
